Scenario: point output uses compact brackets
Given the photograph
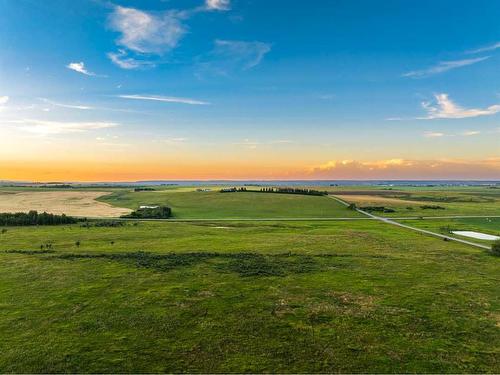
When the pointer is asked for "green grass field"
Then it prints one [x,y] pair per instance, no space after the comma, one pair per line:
[216,205]
[409,201]
[246,297]
[445,226]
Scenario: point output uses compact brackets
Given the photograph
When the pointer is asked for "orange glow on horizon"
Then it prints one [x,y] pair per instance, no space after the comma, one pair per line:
[93,171]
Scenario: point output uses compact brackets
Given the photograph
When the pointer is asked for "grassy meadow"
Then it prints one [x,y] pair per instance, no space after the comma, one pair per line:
[245,297]
[216,205]
[445,226]
[251,296]
[411,201]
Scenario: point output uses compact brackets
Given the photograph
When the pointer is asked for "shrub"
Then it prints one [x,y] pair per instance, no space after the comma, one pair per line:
[495,248]
[378,209]
[431,207]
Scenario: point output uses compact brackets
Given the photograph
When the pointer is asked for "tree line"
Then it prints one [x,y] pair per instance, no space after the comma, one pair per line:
[34,218]
[278,190]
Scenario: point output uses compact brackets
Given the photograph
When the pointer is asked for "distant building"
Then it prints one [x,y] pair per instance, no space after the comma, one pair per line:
[150,207]
[203,190]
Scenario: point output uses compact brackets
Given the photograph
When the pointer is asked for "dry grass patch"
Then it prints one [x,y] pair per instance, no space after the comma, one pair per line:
[73,203]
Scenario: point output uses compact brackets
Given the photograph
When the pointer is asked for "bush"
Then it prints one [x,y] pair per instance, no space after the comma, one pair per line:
[160,212]
[431,207]
[378,209]
[495,248]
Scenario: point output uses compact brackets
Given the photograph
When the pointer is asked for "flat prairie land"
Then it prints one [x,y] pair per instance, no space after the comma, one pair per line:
[446,226]
[288,297]
[418,201]
[216,205]
[74,203]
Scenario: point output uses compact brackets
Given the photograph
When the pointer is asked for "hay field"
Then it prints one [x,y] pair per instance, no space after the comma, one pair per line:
[74,203]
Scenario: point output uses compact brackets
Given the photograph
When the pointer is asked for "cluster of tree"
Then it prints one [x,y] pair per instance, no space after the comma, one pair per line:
[431,207]
[288,190]
[144,189]
[377,209]
[279,190]
[233,190]
[34,218]
[160,212]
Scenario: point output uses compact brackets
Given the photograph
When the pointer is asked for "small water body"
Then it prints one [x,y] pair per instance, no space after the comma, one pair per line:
[476,235]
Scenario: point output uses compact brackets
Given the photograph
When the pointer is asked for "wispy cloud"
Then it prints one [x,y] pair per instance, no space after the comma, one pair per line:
[470,133]
[248,54]
[4,100]
[491,47]
[79,67]
[44,127]
[62,105]
[144,33]
[124,61]
[231,56]
[252,145]
[433,134]
[173,140]
[166,99]
[445,108]
[218,4]
[443,66]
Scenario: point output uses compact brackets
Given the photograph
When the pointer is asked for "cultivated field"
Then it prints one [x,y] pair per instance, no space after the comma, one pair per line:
[76,203]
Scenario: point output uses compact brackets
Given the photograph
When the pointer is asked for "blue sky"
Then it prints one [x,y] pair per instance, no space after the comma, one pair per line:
[328,89]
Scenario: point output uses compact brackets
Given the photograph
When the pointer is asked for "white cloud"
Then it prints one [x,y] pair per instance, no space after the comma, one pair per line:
[44,127]
[80,68]
[4,100]
[71,106]
[252,145]
[445,108]
[248,54]
[470,132]
[166,99]
[146,32]
[217,4]
[443,66]
[174,140]
[433,134]
[491,47]
[122,59]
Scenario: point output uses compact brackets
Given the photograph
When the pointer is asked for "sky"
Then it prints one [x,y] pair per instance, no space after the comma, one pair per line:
[97,90]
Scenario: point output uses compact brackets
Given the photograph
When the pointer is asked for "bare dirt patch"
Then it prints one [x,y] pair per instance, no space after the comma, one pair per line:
[73,203]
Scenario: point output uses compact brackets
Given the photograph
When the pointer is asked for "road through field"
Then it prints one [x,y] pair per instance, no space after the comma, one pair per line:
[392,222]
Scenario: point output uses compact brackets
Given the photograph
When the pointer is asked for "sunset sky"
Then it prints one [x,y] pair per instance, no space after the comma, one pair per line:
[95,90]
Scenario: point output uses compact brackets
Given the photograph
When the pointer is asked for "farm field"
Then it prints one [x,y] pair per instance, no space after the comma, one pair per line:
[423,201]
[216,205]
[245,297]
[76,203]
